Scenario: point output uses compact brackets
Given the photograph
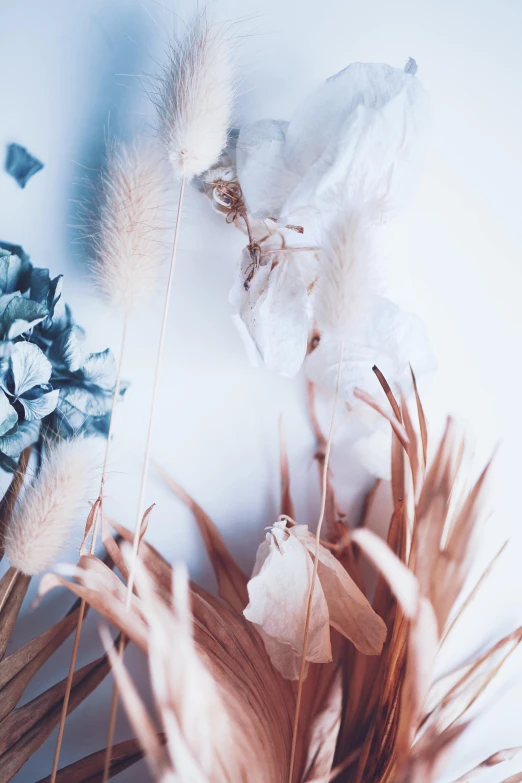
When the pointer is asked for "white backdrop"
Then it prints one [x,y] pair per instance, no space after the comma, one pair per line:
[69,69]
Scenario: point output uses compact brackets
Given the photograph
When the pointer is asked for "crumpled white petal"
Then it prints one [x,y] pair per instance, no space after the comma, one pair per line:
[275,310]
[348,155]
[388,337]
[278,598]
[278,593]
[361,130]
[357,135]
[350,612]
[265,180]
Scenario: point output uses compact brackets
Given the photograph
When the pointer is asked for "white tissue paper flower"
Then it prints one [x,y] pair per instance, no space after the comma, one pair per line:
[359,131]
[313,195]
[278,597]
[273,315]
[386,337]
[347,156]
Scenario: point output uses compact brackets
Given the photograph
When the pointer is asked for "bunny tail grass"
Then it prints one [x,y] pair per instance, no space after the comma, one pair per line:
[145,471]
[43,517]
[127,243]
[195,98]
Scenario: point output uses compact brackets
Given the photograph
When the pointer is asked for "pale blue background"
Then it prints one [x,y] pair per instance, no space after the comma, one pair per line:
[69,68]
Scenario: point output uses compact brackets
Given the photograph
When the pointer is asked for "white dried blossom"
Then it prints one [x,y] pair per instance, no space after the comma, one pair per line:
[278,593]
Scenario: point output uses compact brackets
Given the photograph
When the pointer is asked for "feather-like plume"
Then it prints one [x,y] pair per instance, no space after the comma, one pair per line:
[128,243]
[43,517]
[195,98]
[348,276]
[194,109]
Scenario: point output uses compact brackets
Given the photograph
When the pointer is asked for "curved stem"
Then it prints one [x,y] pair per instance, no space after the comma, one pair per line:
[145,472]
[81,614]
[314,573]
[9,588]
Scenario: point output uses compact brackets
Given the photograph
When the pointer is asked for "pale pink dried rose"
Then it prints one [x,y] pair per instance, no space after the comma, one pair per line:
[278,593]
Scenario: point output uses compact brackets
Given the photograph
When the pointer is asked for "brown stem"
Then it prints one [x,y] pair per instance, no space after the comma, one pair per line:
[314,573]
[81,614]
[145,473]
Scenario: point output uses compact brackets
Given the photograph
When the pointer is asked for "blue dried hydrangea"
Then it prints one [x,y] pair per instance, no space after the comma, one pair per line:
[49,386]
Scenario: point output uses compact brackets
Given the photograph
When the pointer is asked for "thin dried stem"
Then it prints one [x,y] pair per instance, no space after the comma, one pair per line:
[9,589]
[81,613]
[145,472]
[316,565]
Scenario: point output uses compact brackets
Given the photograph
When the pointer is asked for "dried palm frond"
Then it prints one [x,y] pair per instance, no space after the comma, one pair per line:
[24,729]
[368,719]
[194,106]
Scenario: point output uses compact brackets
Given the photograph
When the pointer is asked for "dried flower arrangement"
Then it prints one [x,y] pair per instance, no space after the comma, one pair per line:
[371,709]
[302,673]
[54,395]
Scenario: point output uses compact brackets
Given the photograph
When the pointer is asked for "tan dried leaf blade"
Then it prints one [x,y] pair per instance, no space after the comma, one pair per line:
[226,712]
[25,729]
[90,768]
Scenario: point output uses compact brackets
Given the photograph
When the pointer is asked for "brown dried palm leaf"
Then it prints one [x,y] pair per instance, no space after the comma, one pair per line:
[24,730]
[377,719]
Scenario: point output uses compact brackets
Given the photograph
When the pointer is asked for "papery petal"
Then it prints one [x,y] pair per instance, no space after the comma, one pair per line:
[359,133]
[39,407]
[275,310]
[389,338]
[349,610]
[30,367]
[278,602]
[283,656]
[265,180]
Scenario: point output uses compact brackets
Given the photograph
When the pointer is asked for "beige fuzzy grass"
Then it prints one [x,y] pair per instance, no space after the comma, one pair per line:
[43,517]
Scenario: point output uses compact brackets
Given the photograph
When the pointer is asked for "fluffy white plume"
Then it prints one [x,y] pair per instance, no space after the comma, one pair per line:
[348,276]
[44,515]
[195,98]
[128,243]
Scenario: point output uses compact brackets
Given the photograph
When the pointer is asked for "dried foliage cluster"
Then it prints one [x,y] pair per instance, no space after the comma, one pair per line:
[224,712]
[300,673]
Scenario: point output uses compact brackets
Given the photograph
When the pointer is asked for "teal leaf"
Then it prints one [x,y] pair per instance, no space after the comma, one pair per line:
[44,290]
[40,406]
[8,415]
[16,250]
[8,464]
[30,367]
[23,279]
[21,165]
[23,436]
[85,401]
[21,314]
[10,270]
[100,368]
[5,300]
[67,349]
[40,285]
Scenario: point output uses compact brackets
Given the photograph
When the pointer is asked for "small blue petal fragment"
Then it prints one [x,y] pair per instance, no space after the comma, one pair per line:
[411,66]
[20,164]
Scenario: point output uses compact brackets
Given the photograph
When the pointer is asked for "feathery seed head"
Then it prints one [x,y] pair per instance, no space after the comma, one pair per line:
[44,515]
[195,98]
[348,275]
[128,243]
